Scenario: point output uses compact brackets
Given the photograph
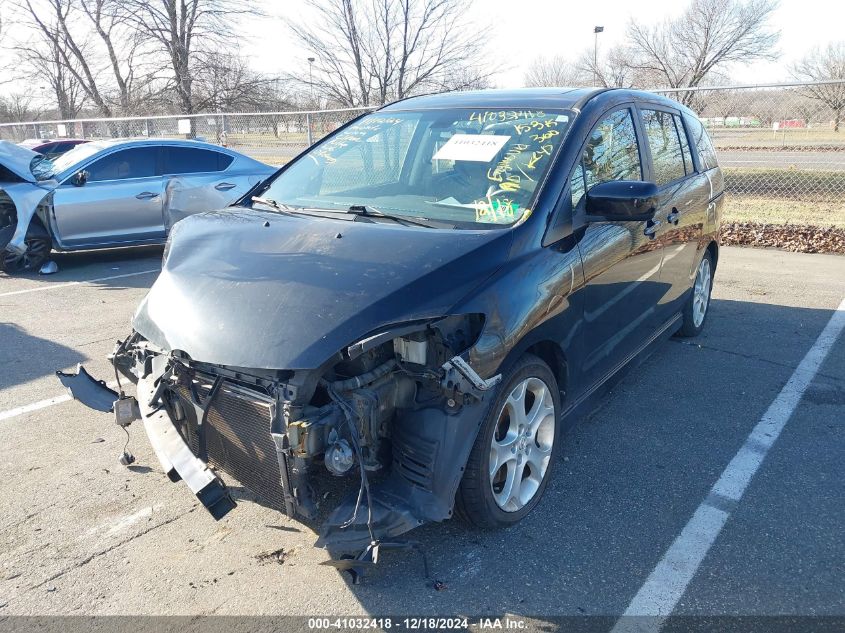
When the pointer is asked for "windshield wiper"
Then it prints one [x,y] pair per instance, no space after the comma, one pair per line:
[365,210]
[272,203]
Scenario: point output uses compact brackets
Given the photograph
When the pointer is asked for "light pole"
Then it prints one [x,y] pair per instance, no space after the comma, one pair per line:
[311,78]
[596,31]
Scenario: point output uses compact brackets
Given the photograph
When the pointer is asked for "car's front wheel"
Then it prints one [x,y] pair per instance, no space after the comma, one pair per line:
[38,247]
[510,463]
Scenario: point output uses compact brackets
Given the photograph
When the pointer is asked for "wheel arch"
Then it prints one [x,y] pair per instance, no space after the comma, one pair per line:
[713,249]
[546,350]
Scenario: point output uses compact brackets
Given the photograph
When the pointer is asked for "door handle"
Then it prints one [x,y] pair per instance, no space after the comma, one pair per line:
[651,228]
[224,186]
[673,217]
[146,195]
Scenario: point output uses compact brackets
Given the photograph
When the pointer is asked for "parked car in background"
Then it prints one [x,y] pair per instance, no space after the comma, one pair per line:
[111,193]
[51,148]
[420,301]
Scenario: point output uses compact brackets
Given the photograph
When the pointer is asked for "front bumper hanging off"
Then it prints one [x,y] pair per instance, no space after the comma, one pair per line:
[176,458]
[174,454]
[200,421]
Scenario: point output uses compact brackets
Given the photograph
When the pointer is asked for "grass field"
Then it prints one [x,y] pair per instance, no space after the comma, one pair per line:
[756,137]
[782,211]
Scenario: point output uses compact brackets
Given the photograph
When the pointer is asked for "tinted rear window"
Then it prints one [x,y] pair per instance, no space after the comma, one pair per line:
[706,152]
[189,160]
[682,133]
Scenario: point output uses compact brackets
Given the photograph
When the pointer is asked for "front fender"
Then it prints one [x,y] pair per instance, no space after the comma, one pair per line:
[430,451]
[26,197]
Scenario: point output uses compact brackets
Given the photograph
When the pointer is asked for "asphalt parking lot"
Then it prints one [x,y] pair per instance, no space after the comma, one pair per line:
[80,534]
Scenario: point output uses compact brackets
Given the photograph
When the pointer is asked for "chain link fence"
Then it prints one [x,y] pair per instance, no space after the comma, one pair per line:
[271,137]
[782,146]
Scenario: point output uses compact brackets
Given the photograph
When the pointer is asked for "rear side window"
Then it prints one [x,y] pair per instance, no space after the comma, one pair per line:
[190,160]
[136,162]
[611,153]
[706,152]
[684,144]
[665,145]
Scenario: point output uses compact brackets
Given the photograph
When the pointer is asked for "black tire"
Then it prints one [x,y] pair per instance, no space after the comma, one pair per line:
[38,247]
[690,327]
[475,502]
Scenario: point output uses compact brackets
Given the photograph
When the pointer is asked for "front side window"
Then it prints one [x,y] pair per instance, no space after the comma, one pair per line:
[136,162]
[612,153]
[466,167]
[665,145]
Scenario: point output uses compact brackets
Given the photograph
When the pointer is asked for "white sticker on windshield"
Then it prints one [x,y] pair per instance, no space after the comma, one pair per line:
[481,148]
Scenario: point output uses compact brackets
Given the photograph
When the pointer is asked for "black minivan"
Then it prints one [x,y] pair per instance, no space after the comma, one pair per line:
[420,302]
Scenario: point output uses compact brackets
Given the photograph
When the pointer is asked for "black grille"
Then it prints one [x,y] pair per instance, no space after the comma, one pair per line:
[238,440]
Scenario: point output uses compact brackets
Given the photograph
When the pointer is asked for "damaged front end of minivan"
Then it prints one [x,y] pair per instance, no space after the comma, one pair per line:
[398,410]
[258,356]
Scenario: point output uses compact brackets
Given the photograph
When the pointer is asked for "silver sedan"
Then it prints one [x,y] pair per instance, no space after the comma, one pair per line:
[111,193]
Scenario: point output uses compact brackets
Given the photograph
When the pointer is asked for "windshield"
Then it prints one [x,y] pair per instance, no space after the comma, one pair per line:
[70,158]
[41,167]
[465,167]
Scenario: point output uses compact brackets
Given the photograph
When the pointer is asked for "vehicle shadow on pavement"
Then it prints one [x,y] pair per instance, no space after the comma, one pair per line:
[107,256]
[25,357]
[630,475]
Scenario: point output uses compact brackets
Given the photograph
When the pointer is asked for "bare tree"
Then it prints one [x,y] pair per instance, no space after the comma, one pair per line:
[227,83]
[821,64]
[709,35]
[111,23]
[609,70]
[372,51]
[17,106]
[52,21]
[553,71]
[185,30]
[47,63]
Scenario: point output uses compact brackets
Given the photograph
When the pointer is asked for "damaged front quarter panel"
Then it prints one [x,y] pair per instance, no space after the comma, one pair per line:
[19,203]
[24,185]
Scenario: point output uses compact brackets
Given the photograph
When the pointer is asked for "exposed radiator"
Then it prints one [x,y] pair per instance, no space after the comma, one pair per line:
[238,439]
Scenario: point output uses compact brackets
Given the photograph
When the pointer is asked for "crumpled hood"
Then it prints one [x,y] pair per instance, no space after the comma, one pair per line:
[17,159]
[246,288]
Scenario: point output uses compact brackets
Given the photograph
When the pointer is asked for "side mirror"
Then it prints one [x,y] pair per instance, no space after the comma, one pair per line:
[622,200]
[79,178]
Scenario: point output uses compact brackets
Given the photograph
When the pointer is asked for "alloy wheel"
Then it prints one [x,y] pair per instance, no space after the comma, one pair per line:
[701,292]
[522,443]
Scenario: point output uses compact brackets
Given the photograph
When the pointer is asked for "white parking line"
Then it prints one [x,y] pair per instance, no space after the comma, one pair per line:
[658,597]
[77,283]
[42,404]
